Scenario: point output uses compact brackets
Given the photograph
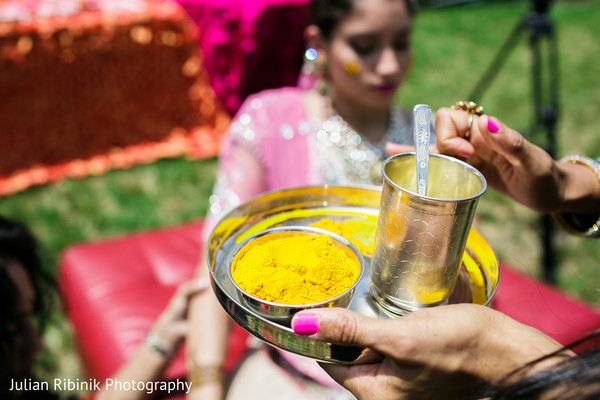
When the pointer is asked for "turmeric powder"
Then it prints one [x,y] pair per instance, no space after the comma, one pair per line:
[296,269]
[360,232]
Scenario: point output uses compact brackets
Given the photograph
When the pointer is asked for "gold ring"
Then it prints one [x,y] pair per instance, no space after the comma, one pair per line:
[469,125]
[473,109]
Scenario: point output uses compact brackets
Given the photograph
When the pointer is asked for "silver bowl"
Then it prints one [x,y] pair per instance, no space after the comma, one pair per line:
[280,312]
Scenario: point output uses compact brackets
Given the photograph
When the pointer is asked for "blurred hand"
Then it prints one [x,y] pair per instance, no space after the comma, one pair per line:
[171,326]
[395,148]
[446,352]
[511,165]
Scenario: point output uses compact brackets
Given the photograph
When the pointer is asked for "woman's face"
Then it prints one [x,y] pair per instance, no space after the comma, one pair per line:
[369,52]
[27,339]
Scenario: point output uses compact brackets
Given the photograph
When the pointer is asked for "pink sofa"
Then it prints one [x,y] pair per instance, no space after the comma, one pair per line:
[114,290]
[534,303]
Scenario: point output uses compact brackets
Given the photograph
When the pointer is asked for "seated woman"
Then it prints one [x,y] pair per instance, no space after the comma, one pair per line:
[331,133]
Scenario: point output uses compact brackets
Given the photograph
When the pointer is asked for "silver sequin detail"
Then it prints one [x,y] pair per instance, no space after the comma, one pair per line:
[304,127]
[245,119]
[286,131]
[256,104]
[222,199]
[347,158]
[249,135]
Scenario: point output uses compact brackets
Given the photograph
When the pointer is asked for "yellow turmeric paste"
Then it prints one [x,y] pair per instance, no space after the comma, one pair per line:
[298,269]
[358,231]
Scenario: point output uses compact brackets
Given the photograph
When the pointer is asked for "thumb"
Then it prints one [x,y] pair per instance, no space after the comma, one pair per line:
[344,327]
[505,141]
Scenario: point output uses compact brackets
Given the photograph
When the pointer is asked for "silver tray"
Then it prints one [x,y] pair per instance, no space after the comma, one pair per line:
[306,205]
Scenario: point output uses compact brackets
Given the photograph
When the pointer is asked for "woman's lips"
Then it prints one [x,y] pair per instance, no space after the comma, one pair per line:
[386,88]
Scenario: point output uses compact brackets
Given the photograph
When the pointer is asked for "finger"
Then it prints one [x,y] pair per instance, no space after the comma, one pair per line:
[171,322]
[192,287]
[394,148]
[179,301]
[450,128]
[506,141]
[196,286]
[346,328]
[351,376]
[339,373]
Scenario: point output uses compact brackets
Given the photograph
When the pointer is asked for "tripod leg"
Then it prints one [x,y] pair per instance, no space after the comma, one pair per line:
[497,62]
[546,115]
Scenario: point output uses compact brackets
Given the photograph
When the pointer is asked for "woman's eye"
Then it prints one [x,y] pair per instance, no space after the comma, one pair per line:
[402,46]
[367,49]
[363,49]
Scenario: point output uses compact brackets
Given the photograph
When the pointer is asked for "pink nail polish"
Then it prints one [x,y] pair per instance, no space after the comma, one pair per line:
[305,324]
[492,126]
[464,155]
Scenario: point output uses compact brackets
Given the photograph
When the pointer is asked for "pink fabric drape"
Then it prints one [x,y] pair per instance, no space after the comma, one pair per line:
[249,46]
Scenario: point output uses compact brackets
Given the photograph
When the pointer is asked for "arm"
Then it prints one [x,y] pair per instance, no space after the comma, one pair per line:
[206,348]
[517,168]
[152,358]
[240,176]
[568,189]
[446,352]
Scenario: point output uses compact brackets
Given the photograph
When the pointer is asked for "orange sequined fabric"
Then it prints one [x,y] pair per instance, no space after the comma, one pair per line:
[91,86]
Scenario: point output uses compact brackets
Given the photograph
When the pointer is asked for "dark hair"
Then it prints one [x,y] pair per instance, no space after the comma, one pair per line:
[18,243]
[575,378]
[327,14]
[8,301]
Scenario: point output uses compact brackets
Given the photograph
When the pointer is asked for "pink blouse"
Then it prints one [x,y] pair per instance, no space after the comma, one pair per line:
[269,145]
[272,145]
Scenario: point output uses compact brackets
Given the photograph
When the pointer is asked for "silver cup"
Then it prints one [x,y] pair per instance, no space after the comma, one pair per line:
[420,239]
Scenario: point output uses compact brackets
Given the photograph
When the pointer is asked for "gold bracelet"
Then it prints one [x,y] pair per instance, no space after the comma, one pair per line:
[565,220]
[202,375]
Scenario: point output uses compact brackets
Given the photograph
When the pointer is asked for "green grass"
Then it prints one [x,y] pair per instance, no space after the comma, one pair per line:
[453,47]
[167,192]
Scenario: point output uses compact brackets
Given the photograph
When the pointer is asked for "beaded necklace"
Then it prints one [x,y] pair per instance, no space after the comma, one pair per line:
[348,158]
